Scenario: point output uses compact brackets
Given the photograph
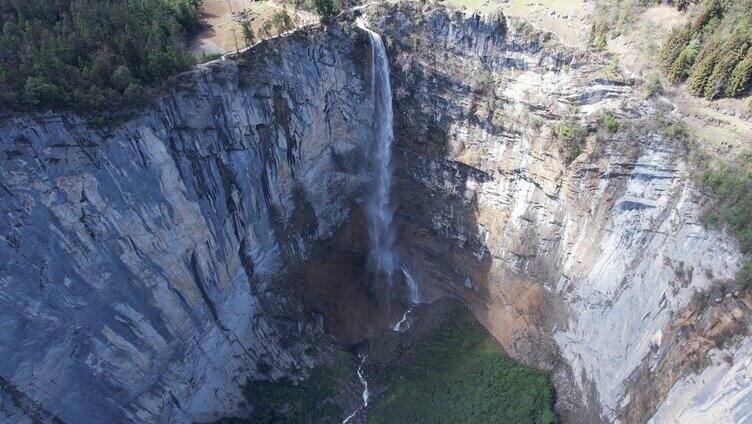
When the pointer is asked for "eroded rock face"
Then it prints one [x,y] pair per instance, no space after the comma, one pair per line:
[147,270]
[576,256]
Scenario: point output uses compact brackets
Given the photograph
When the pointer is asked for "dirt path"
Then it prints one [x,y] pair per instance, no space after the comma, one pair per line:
[225,33]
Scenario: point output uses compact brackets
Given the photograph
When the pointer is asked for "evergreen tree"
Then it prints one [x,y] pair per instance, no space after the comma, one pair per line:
[326,9]
[92,55]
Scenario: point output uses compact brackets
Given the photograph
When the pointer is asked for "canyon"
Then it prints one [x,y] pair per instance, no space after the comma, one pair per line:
[154,266]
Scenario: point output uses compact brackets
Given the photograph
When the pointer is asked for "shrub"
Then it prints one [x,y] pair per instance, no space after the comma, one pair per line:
[654,86]
[732,189]
[572,135]
[248,35]
[326,9]
[208,57]
[134,94]
[282,21]
[612,71]
[673,129]
[598,35]
[744,275]
[609,121]
[568,130]
[265,30]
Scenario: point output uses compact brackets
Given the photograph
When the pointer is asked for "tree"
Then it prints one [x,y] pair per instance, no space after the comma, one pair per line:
[84,54]
[248,35]
[326,9]
[741,77]
[40,92]
[282,21]
[266,29]
[122,77]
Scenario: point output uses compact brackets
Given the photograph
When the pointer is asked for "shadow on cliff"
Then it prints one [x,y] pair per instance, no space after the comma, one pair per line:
[437,196]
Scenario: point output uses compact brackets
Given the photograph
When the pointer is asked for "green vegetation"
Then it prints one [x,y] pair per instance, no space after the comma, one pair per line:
[654,86]
[731,206]
[309,401]
[91,55]
[612,18]
[672,128]
[744,275]
[326,9]
[207,57]
[714,52]
[732,188]
[572,135]
[248,36]
[609,121]
[568,130]
[282,21]
[612,70]
[457,374]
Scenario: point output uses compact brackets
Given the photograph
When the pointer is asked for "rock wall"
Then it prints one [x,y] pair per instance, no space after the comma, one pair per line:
[148,268]
[576,255]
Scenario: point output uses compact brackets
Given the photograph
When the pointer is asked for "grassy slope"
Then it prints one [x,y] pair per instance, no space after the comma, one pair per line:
[458,374]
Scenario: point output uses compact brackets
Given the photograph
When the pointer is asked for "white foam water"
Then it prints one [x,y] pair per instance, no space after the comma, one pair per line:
[379,212]
[366,393]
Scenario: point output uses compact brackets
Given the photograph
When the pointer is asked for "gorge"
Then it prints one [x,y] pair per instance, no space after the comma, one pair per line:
[268,211]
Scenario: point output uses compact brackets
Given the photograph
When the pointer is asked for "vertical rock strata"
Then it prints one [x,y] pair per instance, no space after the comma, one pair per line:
[576,254]
[149,269]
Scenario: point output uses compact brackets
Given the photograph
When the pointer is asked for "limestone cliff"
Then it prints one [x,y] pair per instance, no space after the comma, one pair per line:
[577,255]
[147,267]
[150,268]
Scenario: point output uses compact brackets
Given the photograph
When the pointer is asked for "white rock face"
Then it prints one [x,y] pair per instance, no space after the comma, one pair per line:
[630,288]
[722,393]
[587,261]
[141,265]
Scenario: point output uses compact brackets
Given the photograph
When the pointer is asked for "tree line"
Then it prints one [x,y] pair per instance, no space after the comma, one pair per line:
[91,55]
[101,55]
[713,53]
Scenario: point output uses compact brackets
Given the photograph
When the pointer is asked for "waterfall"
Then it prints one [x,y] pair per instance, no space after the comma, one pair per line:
[404,323]
[379,211]
[378,208]
[411,284]
[366,393]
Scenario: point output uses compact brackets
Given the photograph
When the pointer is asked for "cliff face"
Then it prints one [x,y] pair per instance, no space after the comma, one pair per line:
[579,256]
[148,270]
